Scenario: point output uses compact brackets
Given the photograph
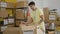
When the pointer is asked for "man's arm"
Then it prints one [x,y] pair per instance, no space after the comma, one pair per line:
[29,19]
[41,15]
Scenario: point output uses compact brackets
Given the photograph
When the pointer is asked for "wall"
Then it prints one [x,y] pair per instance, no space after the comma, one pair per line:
[55,4]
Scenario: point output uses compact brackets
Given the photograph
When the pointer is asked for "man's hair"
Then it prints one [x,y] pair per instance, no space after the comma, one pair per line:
[32,3]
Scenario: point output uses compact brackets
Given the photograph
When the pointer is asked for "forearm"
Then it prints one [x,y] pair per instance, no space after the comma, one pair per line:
[42,18]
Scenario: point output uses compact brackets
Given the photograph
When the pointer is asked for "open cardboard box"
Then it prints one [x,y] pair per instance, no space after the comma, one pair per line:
[30,29]
[12,30]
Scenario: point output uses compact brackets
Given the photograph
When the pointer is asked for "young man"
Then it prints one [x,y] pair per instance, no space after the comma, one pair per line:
[36,17]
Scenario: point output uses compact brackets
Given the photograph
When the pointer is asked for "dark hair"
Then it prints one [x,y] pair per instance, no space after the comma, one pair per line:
[32,3]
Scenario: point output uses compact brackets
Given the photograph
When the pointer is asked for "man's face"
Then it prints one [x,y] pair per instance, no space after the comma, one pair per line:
[32,7]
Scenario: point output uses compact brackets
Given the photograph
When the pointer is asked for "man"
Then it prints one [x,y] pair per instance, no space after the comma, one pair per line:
[36,17]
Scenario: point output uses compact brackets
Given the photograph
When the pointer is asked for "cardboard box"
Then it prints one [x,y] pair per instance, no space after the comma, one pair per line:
[12,30]
[10,5]
[20,14]
[57,23]
[11,25]
[10,20]
[51,32]
[21,0]
[22,4]
[3,13]
[2,28]
[3,4]
[28,29]
[52,17]
[11,1]
[46,13]
[0,0]
[7,5]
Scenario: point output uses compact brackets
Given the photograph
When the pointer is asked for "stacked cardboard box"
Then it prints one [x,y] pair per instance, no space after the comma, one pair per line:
[52,16]
[3,13]
[11,1]
[46,14]
[22,4]
[12,30]
[10,5]
[20,14]
[6,4]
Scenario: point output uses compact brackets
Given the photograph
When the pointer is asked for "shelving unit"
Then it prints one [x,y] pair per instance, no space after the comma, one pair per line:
[24,9]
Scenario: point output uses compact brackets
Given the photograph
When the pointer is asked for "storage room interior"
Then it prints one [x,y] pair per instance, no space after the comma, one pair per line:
[18,17]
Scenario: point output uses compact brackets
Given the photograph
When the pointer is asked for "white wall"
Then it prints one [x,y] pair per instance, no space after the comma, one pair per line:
[54,4]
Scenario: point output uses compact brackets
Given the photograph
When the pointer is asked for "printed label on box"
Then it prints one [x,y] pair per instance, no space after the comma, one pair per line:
[52,17]
[5,21]
[28,32]
[3,4]
[11,20]
[3,28]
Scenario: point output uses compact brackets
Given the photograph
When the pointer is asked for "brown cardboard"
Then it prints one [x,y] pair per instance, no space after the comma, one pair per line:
[46,13]
[51,32]
[54,19]
[20,14]
[3,13]
[26,29]
[22,4]
[12,30]
[10,25]
[57,23]
[10,5]
[0,0]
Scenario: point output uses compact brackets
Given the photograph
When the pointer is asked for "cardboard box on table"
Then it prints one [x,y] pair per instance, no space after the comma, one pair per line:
[12,30]
[27,29]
